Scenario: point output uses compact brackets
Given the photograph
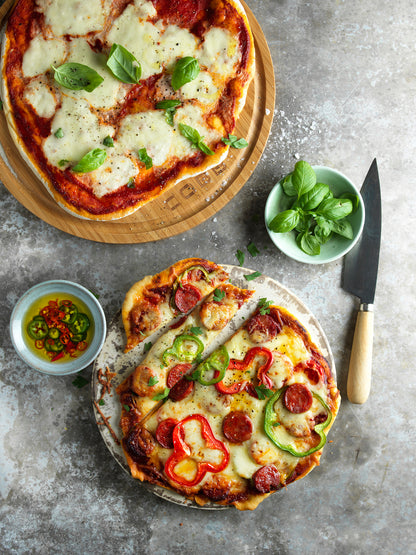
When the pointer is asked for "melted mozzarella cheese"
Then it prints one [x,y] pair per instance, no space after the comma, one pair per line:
[242,463]
[147,130]
[74,17]
[145,9]
[220,51]
[39,95]
[202,88]
[114,173]
[81,132]
[175,42]
[42,54]
[111,91]
[141,40]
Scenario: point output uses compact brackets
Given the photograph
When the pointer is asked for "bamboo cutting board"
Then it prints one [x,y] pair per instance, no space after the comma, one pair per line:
[183,206]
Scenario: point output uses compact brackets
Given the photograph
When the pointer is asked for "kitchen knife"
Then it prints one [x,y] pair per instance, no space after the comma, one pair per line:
[360,279]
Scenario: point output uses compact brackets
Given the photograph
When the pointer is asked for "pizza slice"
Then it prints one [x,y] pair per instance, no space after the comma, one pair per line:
[164,372]
[243,429]
[155,300]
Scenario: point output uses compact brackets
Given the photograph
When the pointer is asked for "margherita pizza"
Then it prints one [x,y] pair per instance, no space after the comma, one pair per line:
[111,102]
[155,300]
[232,425]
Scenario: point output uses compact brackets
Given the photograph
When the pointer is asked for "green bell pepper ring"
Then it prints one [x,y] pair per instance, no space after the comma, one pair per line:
[217,361]
[179,350]
[271,425]
[70,312]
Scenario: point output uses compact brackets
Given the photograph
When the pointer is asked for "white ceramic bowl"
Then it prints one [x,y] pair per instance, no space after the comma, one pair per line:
[337,246]
[70,365]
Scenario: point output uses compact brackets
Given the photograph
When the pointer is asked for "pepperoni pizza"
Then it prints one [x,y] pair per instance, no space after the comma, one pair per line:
[112,102]
[232,425]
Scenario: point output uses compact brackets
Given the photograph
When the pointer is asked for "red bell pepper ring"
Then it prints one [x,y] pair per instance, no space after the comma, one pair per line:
[244,364]
[182,451]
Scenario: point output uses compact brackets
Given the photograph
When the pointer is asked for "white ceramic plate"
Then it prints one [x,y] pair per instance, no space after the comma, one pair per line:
[113,356]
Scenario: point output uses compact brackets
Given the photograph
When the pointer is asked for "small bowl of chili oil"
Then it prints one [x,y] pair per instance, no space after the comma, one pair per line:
[58,327]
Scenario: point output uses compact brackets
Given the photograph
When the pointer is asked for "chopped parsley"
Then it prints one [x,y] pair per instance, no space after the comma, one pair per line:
[130,183]
[240,257]
[108,141]
[196,330]
[127,408]
[252,249]
[147,346]
[263,392]
[264,305]
[218,295]
[80,381]
[101,402]
[59,133]
[152,381]
[250,277]
[161,395]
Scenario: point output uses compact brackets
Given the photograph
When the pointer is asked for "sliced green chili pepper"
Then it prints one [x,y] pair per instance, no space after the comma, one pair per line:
[218,362]
[80,324]
[70,311]
[53,345]
[180,351]
[54,333]
[272,426]
[37,329]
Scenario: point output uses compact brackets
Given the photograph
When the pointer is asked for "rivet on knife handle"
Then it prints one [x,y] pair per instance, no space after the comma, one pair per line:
[359,373]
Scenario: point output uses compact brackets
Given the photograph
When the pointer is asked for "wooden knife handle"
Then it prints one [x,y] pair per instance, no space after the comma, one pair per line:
[359,373]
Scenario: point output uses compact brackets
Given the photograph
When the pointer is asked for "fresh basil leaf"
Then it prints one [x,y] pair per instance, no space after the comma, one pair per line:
[108,141]
[250,277]
[77,77]
[308,243]
[253,250]
[235,142]
[343,228]
[91,161]
[288,187]
[121,64]
[354,199]
[314,197]
[162,395]
[185,70]
[323,233]
[304,223]
[335,208]
[59,133]
[205,148]
[240,257]
[145,158]
[218,295]
[303,178]
[284,221]
[170,109]
[166,104]
[194,137]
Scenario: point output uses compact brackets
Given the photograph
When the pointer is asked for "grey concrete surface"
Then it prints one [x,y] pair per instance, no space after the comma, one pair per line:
[345,76]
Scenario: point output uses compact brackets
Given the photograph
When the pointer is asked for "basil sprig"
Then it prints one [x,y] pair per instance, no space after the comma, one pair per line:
[314,214]
[170,109]
[75,76]
[121,63]
[91,161]
[234,142]
[193,135]
[185,70]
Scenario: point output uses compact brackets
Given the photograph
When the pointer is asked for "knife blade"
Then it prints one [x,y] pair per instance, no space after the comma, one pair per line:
[360,279]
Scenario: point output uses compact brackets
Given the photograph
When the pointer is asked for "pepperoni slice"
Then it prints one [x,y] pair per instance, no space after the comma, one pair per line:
[186,297]
[297,398]
[262,328]
[181,389]
[237,427]
[176,373]
[266,479]
[164,433]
